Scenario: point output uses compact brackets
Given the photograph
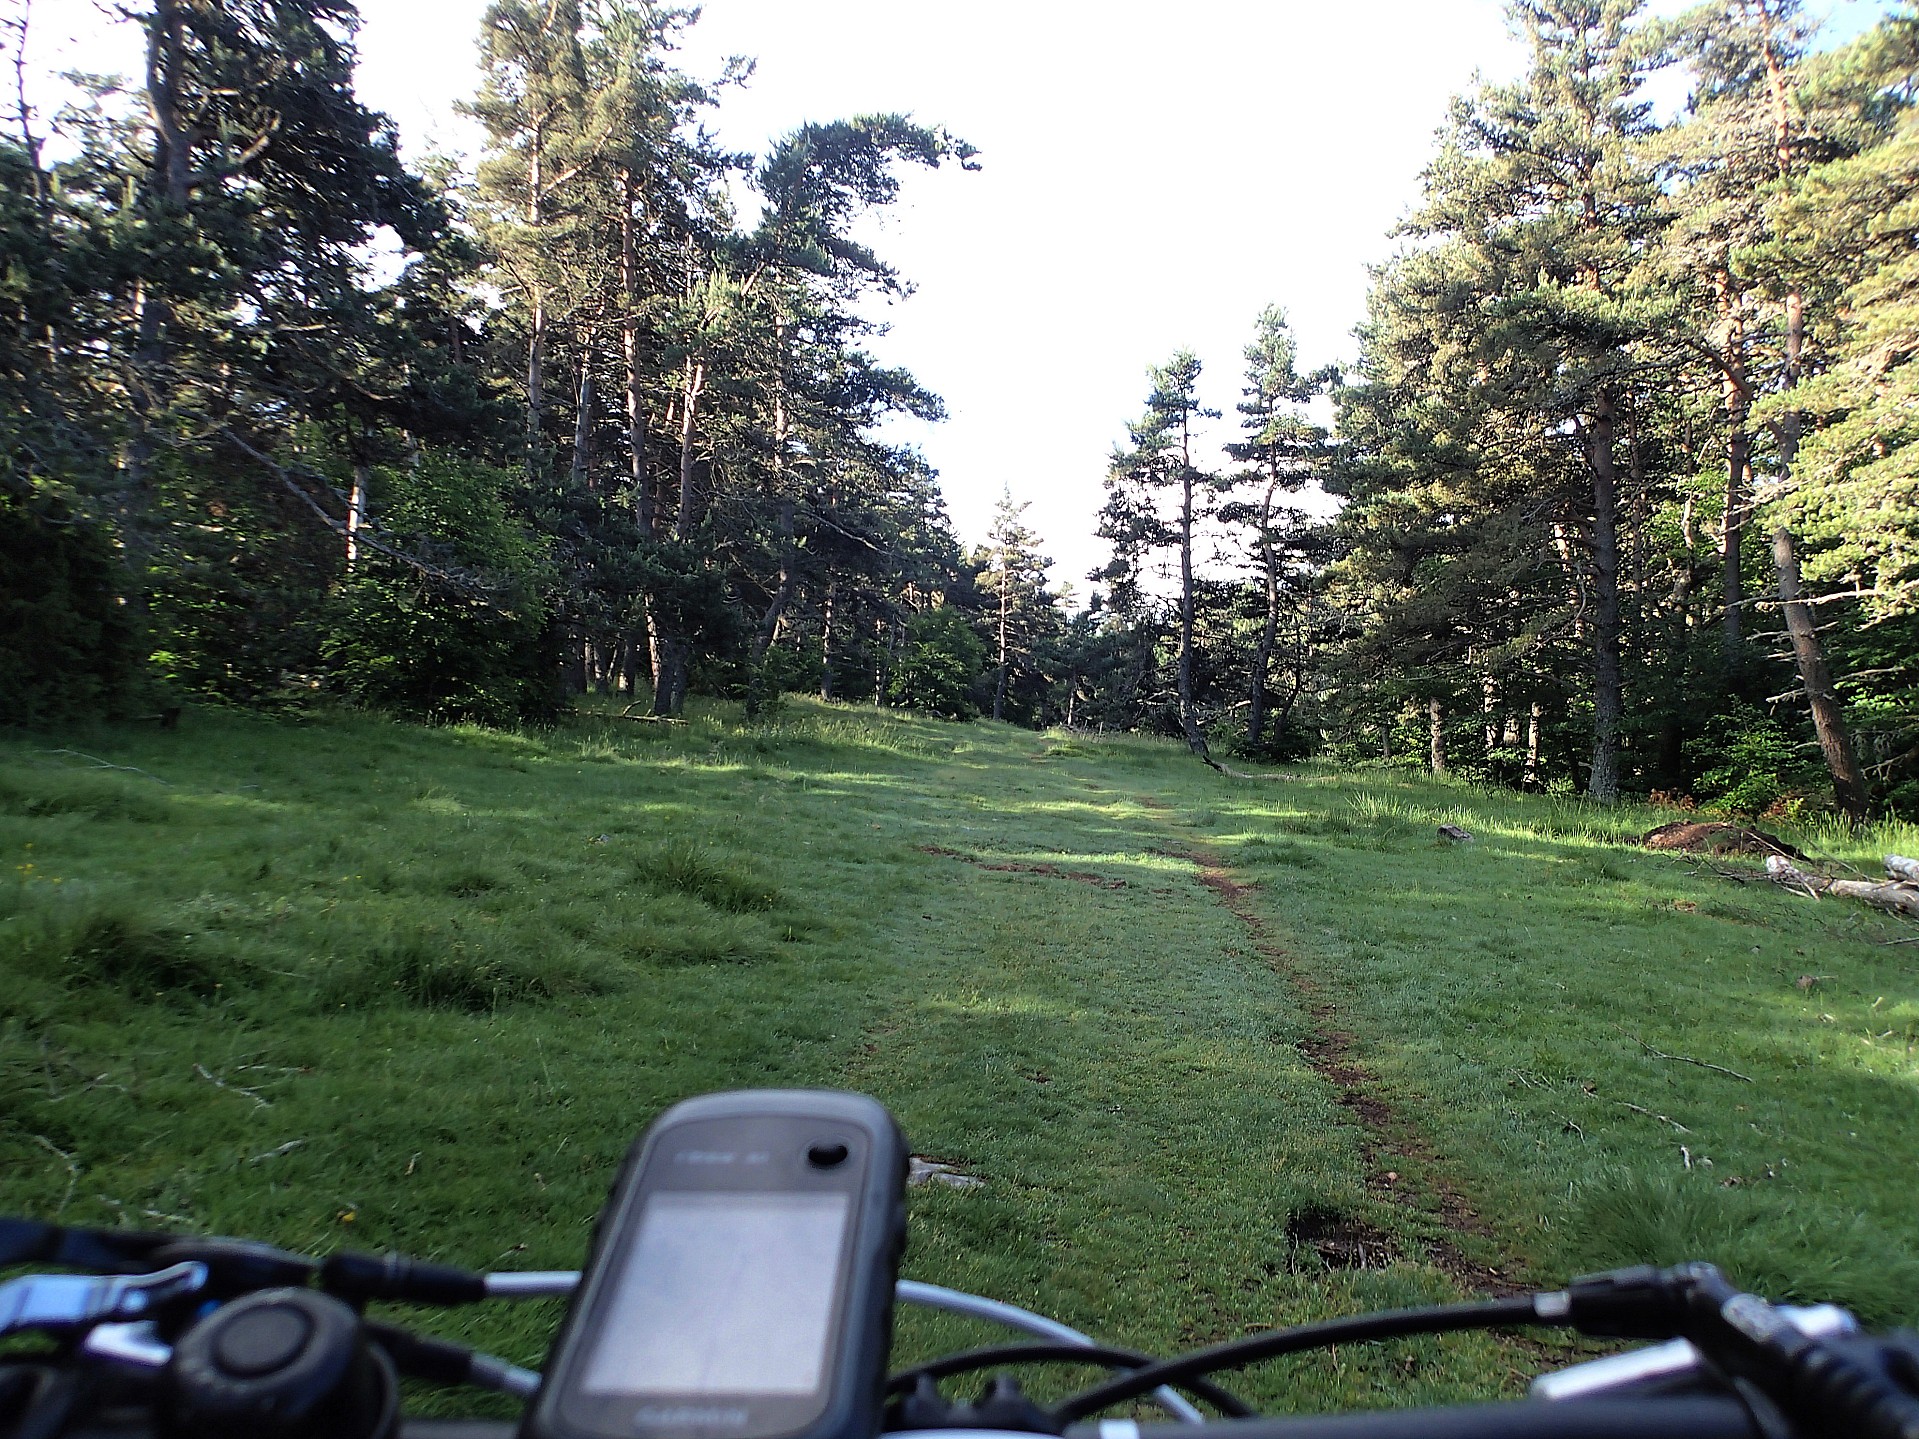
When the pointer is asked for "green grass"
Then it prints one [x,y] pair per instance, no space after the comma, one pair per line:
[1534,1001]
[353,983]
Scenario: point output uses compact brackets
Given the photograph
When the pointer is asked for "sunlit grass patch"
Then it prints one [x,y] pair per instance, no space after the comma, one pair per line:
[1789,1245]
[461,967]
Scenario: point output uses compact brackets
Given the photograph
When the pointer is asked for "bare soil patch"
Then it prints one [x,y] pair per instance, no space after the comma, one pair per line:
[1716,837]
[1341,1241]
[1051,871]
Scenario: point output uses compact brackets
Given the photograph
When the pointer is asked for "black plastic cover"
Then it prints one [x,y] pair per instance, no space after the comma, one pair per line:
[861,1323]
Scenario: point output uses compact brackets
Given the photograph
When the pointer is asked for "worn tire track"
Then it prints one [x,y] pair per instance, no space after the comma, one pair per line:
[1388,1142]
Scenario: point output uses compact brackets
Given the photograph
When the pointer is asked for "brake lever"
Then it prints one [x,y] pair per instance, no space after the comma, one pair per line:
[74,1301]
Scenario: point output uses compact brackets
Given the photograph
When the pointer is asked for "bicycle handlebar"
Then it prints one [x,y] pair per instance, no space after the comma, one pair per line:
[1689,1417]
[1779,1372]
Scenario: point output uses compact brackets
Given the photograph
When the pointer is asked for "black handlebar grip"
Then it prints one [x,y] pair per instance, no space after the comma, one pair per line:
[1691,1417]
[1854,1386]
[358,1277]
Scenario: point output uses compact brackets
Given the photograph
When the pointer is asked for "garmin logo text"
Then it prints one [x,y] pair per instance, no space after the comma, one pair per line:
[705,1156]
[689,1416]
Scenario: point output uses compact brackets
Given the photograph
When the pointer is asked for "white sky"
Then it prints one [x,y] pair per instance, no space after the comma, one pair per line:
[1151,178]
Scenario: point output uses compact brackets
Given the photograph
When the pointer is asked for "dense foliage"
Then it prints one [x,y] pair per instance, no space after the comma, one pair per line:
[1627,458]
[315,423]
[1628,454]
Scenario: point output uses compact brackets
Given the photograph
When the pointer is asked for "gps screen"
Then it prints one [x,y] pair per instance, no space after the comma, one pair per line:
[723,1294]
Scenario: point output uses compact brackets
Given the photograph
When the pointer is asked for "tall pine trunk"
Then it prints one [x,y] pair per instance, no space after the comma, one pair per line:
[1828,714]
[674,654]
[769,626]
[166,190]
[1268,632]
[999,680]
[1815,675]
[829,613]
[586,401]
[1188,726]
[1609,701]
[356,511]
[1736,399]
[639,473]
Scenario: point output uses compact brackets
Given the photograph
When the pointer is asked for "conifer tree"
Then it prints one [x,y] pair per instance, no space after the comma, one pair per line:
[1013,573]
[1281,450]
[1541,182]
[1159,459]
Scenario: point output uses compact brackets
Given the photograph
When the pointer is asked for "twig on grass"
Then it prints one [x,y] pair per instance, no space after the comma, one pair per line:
[73,1169]
[219,1083]
[1688,1059]
[287,1148]
[1683,857]
[99,763]
[1652,1114]
[99,1081]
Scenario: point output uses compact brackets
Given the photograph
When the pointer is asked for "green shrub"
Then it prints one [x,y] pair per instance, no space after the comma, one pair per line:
[938,664]
[68,645]
[466,638]
[1754,762]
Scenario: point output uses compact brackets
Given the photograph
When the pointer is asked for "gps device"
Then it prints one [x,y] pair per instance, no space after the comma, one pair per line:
[740,1284]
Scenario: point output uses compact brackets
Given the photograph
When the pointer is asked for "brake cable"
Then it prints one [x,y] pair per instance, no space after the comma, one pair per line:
[1235,1354]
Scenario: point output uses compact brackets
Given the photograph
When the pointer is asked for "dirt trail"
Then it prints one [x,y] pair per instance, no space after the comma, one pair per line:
[1391,1146]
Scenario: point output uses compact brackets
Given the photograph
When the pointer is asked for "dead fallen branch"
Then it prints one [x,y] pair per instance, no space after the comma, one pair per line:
[1232,773]
[924,1170]
[99,763]
[1688,1059]
[1898,894]
[219,1083]
[72,1164]
[1652,1114]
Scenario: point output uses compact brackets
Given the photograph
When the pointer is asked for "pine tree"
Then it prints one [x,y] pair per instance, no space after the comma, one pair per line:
[1013,572]
[1281,451]
[1160,458]
[1542,183]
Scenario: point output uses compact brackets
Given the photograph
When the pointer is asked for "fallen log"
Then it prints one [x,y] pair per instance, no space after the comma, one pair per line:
[1900,895]
[1899,867]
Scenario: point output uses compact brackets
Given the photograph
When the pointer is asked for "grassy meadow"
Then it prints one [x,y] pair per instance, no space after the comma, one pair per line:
[351,983]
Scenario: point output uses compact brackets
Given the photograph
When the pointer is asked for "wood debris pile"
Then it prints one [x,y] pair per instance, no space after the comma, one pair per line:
[1716,837]
[1899,891]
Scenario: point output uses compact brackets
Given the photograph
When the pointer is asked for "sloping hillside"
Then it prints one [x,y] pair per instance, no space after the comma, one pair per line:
[1223,1051]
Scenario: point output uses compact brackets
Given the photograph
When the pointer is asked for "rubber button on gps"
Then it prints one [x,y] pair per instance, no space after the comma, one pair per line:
[826,1154]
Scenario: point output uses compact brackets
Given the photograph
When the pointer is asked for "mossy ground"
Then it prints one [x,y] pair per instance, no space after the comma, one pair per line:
[355,983]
